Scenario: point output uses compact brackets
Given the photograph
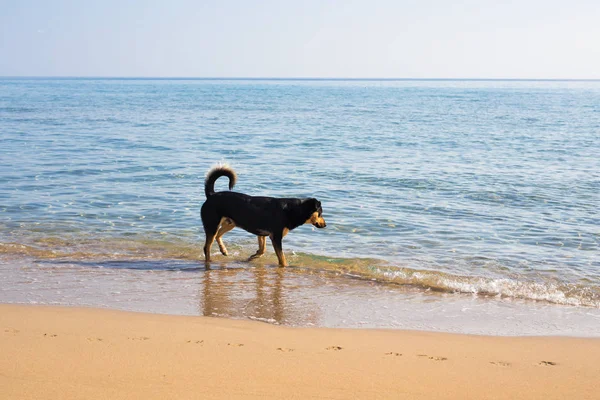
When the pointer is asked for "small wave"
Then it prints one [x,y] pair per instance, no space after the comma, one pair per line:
[141,253]
[549,291]
[517,287]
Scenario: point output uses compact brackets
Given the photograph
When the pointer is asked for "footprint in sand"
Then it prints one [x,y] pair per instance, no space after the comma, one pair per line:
[49,335]
[235,344]
[335,348]
[94,339]
[432,357]
[547,363]
[11,330]
[196,341]
[391,353]
[139,338]
[500,363]
[284,349]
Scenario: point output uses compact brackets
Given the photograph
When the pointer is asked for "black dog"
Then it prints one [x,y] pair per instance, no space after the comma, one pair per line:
[262,216]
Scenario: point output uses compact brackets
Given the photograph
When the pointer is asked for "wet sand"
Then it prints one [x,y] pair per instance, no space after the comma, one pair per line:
[72,353]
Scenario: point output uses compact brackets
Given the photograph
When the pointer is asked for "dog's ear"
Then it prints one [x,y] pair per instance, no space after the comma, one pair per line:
[315,204]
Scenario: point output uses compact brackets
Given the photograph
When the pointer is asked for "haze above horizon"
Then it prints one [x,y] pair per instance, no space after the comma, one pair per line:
[268,39]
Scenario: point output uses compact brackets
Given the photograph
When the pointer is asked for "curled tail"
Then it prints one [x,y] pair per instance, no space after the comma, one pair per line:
[214,174]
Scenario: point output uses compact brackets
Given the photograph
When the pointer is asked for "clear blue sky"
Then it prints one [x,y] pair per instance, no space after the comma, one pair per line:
[311,38]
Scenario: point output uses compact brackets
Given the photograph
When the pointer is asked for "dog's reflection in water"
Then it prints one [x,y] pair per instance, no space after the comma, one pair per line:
[256,293]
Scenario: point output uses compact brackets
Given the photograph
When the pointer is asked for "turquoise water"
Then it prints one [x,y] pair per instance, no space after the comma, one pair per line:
[482,187]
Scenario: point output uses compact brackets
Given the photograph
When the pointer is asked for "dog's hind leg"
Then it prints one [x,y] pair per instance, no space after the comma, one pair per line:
[210,229]
[210,237]
[276,240]
[226,225]
[211,221]
[262,242]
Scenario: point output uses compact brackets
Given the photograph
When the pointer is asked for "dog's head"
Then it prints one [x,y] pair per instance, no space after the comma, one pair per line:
[316,213]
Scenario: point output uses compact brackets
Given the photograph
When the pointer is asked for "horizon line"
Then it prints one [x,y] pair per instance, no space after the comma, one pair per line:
[241,78]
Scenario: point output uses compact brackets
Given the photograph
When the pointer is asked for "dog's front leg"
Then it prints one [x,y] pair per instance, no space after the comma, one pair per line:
[276,240]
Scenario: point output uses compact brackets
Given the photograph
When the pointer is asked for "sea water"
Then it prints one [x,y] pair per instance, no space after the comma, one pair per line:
[462,202]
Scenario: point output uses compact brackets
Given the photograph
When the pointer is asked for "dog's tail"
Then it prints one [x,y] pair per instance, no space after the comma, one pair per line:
[214,174]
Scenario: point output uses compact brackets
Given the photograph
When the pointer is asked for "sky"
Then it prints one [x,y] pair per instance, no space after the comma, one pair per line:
[527,39]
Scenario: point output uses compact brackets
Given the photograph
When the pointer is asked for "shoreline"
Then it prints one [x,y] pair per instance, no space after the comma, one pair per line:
[62,352]
[294,297]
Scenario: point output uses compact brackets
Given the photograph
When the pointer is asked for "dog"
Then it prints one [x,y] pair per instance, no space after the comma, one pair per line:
[261,216]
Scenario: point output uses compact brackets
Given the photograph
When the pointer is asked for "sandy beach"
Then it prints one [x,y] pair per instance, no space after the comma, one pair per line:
[76,353]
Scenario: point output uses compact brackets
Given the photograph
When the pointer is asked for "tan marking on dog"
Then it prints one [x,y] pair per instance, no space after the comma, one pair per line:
[281,258]
[316,220]
[279,252]
[207,246]
[285,232]
[226,225]
[226,221]
[262,241]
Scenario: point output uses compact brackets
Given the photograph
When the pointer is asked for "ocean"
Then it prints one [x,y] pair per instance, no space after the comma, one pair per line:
[466,206]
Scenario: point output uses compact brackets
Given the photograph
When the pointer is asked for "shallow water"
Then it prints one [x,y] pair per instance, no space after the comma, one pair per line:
[292,296]
[446,187]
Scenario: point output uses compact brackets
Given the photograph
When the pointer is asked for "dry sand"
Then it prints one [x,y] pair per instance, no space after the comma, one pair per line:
[77,353]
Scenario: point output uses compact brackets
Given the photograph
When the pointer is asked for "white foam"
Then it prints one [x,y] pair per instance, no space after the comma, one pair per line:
[519,289]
